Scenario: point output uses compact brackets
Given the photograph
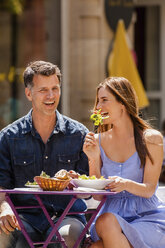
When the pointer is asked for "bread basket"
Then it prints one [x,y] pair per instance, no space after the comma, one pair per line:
[51,184]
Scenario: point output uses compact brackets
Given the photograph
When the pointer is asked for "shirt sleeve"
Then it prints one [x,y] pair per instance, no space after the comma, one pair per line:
[5,163]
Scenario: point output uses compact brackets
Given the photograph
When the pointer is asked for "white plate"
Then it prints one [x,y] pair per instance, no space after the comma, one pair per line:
[32,186]
[88,189]
[91,183]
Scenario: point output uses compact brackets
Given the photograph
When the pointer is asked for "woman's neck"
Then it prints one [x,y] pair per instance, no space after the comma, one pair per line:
[124,128]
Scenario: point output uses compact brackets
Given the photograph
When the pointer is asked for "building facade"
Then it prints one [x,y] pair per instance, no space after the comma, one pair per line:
[76,36]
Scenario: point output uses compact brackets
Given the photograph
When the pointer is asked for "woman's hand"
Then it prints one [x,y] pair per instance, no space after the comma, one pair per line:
[118,184]
[91,147]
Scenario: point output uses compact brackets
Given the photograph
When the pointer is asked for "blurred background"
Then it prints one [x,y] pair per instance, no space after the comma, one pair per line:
[79,36]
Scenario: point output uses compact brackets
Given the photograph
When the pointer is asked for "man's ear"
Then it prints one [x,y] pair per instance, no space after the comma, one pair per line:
[28,94]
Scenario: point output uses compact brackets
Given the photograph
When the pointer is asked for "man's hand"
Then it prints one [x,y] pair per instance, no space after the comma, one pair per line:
[8,221]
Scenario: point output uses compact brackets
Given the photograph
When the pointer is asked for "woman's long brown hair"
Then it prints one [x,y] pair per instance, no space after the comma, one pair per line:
[123,91]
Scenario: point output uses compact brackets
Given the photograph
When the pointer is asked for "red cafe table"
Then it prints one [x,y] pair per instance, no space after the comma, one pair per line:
[37,192]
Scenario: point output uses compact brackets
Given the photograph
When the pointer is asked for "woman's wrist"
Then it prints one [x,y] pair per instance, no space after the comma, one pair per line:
[94,160]
[94,163]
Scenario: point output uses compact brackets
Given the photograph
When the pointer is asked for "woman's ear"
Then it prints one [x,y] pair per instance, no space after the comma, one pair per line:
[123,108]
[28,94]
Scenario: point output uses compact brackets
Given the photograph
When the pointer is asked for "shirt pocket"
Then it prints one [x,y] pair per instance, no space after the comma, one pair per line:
[68,162]
[24,168]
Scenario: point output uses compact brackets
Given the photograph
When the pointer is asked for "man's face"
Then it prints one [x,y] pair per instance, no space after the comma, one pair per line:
[45,94]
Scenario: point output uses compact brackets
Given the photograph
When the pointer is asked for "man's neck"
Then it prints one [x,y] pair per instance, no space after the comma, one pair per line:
[44,125]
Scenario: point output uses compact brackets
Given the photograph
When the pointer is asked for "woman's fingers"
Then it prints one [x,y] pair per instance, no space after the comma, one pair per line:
[90,139]
[117,185]
[90,142]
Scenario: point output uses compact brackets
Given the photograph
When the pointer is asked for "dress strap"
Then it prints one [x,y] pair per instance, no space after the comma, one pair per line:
[100,139]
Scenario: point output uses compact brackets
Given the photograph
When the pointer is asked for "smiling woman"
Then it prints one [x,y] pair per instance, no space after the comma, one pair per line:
[130,152]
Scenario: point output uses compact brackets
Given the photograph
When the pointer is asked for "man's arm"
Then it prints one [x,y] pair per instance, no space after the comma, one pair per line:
[8,221]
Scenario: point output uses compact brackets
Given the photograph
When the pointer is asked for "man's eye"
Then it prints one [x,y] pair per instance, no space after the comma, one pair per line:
[55,88]
[43,90]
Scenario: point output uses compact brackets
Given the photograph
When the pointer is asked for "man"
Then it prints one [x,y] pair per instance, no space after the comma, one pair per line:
[43,140]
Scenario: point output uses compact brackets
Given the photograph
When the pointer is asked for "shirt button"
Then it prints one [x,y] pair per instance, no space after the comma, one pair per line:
[120,165]
[68,160]
[24,162]
[46,157]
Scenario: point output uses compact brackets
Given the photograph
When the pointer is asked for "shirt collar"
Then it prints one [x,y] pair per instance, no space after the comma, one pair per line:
[28,124]
[60,124]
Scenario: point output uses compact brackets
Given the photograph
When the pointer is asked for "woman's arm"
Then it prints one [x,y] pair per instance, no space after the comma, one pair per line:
[154,141]
[92,150]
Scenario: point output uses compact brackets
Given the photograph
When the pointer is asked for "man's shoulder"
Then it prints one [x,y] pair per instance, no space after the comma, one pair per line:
[15,128]
[74,125]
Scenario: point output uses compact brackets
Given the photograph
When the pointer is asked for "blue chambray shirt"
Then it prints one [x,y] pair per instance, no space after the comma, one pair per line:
[23,155]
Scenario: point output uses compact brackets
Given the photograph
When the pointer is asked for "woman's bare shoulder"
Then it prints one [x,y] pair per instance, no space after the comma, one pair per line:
[153,136]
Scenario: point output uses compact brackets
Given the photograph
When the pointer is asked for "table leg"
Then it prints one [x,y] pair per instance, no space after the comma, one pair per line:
[89,222]
[55,228]
[48,218]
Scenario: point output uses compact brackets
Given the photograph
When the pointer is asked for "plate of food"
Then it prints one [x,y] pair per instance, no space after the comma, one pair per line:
[91,182]
[32,184]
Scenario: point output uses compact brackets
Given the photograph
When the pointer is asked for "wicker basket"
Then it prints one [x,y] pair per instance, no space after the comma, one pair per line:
[51,184]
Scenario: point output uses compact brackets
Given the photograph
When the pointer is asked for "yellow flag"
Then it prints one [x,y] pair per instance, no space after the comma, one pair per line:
[121,64]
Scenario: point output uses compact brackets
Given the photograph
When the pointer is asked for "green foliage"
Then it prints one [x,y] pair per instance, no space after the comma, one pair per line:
[13,6]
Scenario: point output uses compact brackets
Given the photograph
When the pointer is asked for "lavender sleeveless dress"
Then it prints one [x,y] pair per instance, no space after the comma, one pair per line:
[142,220]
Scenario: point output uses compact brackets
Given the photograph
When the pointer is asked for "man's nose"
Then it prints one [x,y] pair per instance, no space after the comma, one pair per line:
[50,93]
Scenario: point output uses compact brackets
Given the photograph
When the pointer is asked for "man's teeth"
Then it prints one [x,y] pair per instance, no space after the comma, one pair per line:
[49,103]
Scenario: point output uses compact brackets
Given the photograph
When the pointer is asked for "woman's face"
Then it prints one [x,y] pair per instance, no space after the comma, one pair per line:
[109,106]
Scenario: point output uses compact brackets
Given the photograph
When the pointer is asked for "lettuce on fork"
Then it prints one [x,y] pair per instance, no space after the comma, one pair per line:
[97,118]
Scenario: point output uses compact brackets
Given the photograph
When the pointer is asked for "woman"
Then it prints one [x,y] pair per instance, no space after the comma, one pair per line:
[131,153]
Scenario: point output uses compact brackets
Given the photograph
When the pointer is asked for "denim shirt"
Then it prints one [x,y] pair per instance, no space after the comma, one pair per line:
[23,155]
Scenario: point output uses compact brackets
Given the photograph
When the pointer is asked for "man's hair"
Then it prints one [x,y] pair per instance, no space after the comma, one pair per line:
[40,68]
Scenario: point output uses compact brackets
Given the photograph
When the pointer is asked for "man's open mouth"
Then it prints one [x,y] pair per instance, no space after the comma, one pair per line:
[49,103]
